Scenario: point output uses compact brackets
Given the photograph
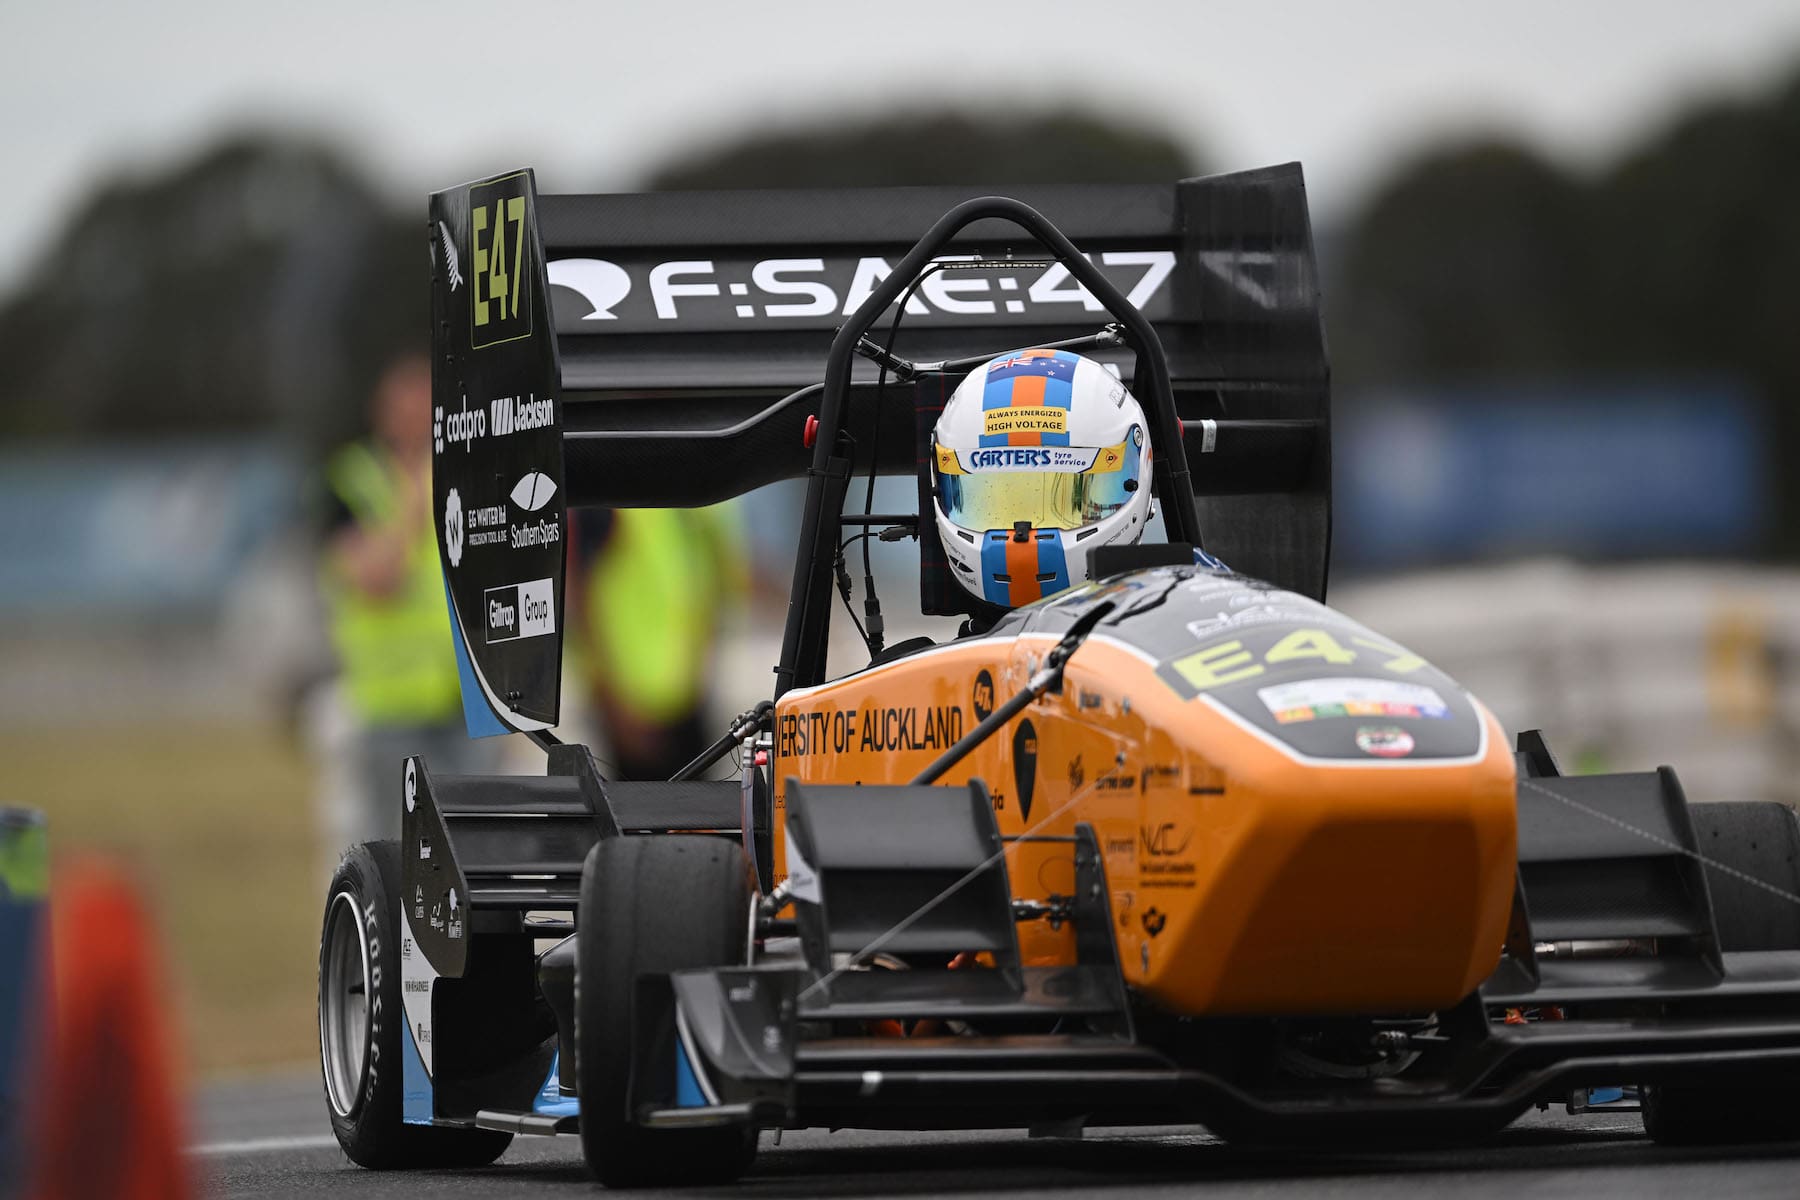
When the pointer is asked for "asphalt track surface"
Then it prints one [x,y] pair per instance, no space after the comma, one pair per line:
[268,1136]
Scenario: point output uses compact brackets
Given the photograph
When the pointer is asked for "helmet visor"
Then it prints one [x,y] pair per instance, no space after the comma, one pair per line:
[983,499]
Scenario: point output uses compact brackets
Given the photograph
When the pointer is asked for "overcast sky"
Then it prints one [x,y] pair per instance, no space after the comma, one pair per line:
[594,94]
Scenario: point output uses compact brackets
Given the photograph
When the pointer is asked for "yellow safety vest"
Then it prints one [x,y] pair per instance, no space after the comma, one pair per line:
[397,663]
[654,598]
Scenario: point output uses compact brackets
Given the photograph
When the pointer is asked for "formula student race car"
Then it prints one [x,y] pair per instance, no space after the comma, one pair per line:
[1179,845]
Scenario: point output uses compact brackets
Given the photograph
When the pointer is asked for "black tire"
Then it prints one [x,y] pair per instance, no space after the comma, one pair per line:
[1759,839]
[656,903]
[364,1102]
[1718,1116]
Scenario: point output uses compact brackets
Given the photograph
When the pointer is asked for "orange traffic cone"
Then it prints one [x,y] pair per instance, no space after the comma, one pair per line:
[110,1121]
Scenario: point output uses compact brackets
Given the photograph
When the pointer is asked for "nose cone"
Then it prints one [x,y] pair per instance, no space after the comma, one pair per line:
[1344,839]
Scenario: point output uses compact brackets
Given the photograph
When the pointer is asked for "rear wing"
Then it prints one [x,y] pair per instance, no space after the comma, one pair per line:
[665,350]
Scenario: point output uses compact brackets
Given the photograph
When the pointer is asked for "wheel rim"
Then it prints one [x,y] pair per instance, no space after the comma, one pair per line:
[344,1005]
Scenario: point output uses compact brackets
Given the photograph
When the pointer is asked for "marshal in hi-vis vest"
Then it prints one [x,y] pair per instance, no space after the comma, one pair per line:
[398,667]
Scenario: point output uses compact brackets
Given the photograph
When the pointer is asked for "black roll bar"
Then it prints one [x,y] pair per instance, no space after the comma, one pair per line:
[803,643]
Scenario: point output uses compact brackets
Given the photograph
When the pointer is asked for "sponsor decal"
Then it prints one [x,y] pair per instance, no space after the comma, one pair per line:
[455,929]
[1122,847]
[1163,841]
[452,267]
[1347,696]
[600,283]
[485,526]
[1025,755]
[1161,775]
[801,734]
[802,880]
[517,414]
[1077,773]
[1024,458]
[498,418]
[1086,700]
[934,728]
[838,731]
[424,849]
[533,490]
[1025,420]
[453,528]
[464,425]
[983,699]
[374,995]
[819,291]
[1205,780]
[1161,865]
[500,245]
[1384,741]
[1154,920]
[1229,661]
[1117,783]
[412,793]
[519,610]
[541,533]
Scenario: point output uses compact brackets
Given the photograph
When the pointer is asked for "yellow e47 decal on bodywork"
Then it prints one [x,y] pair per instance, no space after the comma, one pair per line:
[1229,661]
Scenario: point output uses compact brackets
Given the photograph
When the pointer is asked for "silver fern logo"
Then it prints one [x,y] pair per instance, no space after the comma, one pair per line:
[451,266]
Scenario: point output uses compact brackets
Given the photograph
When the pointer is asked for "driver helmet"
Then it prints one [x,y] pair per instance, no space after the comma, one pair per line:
[1039,457]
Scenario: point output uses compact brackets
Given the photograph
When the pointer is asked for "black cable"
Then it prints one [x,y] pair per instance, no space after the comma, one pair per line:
[843,583]
[873,636]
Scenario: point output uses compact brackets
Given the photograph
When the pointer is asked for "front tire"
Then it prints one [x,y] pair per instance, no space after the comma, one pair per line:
[1719,1116]
[362,1022]
[1755,840]
[650,904]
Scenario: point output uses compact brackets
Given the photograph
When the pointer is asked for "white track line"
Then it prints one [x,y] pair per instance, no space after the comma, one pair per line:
[265,1145]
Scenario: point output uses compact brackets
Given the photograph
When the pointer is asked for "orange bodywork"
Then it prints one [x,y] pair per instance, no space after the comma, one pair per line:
[1245,878]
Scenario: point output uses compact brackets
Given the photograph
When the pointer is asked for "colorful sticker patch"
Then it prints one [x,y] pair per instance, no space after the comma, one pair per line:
[1021,458]
[1319,699]
[1384,741]
[997,421]
[1025,399]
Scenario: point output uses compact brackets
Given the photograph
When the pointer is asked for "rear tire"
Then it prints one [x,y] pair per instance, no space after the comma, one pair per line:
[362,1023]
[650,904]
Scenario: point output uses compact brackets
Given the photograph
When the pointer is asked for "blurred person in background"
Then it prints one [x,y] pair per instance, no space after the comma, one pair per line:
[653,588]
[396,692]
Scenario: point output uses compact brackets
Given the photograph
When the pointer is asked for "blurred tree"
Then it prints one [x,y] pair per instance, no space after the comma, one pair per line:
[935,148]
[257,286]
[1681,258]
[1470,261]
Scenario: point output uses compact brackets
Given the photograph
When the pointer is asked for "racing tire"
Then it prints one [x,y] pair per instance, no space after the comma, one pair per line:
[650,904]
[362,1024]
[1717,1116]
[1757,839]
